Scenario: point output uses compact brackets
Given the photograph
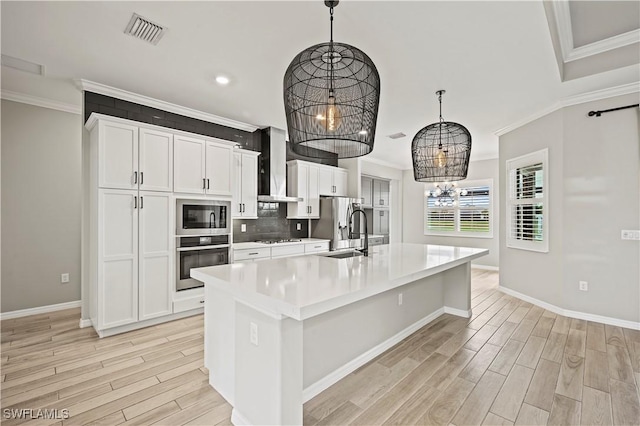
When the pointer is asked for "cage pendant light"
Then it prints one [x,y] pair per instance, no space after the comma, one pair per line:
[441,151]
[331,97]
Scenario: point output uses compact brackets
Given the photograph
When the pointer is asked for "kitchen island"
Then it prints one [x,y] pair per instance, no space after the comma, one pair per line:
[280,331]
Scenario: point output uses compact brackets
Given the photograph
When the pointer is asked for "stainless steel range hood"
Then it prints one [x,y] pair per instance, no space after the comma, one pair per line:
[272,187]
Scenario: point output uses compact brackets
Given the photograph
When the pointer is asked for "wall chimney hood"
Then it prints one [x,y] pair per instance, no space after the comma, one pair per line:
[272,185]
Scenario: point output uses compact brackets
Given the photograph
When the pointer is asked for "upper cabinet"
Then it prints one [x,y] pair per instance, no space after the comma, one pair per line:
[133,158]
[367,191]
[380,193]
[201,167]
[333,181]
[245,184]
[303,180]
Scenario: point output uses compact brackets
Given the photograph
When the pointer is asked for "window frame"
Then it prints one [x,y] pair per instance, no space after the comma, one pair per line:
[533,158]
[457,233]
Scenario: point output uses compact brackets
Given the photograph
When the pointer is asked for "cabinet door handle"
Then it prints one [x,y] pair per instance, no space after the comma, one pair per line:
[239,207]
[141,201]
[381,202]
[207,183]
[244,207]
[141,178]
[135,202]
[253,254]
[202,301]
[381,213]
[135,177]
[204,183]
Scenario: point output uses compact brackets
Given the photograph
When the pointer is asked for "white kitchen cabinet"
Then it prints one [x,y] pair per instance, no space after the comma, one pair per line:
[380,193]
[156,260]
[189,173]
[201,167]
[251,254]
[245,184]
[303,181]
[132,158]
[117,258]
[118,155]
[135,259]
[366,188]
[333,181]
[381,221]
[155,171]
[218,169]
[317,247]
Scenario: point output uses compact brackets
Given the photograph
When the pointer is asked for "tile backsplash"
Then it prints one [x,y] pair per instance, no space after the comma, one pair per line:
[272,223]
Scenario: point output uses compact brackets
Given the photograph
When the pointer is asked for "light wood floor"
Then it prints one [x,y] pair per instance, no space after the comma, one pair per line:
[511,362]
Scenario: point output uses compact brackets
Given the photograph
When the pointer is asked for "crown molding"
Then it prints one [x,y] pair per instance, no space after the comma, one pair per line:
[563,25]
[601,46]
[103,89]
[41,102]
[596,95]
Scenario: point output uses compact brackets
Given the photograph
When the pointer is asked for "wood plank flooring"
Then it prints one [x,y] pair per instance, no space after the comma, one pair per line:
[511,363]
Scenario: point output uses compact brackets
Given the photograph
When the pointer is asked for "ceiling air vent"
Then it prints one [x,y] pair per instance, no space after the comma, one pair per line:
[397,135]
[144,29]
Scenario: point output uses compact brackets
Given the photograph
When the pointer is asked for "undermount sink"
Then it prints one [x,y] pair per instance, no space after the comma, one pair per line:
[344,255]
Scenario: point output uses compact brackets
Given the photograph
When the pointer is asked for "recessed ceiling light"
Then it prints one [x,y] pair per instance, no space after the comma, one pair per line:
[397,135]
[222,80]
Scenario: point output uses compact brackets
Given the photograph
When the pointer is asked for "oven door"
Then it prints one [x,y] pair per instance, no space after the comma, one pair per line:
[197,257]
[202,217]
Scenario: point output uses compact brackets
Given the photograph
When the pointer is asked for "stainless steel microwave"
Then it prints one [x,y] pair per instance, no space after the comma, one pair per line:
[203,217]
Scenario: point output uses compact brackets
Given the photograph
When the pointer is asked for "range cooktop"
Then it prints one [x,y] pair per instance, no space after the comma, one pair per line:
[287,240]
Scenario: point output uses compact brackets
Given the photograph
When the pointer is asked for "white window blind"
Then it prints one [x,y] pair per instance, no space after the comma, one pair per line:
[468,213]
[527,205]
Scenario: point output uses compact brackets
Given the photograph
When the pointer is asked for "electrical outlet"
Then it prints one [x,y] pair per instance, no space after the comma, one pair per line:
[64,278]
[584,286]
[399,299]
[253,333]
[298,226]
[628,234]
[243,227]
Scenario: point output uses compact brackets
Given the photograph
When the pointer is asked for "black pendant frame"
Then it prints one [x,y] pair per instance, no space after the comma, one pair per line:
[441,151]
[331,98]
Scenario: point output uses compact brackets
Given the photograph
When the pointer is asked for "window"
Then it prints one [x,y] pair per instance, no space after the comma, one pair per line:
[462,209]
[527,202]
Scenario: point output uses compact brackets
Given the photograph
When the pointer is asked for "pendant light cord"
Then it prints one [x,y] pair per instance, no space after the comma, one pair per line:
[441,120]
[331,51]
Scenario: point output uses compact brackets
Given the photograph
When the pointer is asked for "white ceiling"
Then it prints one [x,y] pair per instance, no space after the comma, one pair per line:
[495,59]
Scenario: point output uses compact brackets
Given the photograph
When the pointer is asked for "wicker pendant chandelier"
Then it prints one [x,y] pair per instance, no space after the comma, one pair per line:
[441,151]
[331,97]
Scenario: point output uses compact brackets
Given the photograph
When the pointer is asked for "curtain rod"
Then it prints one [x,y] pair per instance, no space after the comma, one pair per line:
[599,113]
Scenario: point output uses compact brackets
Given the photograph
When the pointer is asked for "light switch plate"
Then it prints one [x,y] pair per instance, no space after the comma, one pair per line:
[243,227]
[630,234]
[64,278]
[298,226]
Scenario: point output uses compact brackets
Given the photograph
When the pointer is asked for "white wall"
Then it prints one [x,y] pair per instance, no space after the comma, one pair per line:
[594,189]
[41,172]
[413,218]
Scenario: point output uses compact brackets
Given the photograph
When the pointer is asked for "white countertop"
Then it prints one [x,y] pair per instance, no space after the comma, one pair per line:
[254,245]
[305,286]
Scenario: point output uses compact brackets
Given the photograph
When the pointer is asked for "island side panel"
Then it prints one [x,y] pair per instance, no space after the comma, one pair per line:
[268,375]
[338,342]
[219,341]
[457,290]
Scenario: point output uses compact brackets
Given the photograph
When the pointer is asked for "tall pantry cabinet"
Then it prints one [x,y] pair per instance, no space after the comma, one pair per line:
[131,222]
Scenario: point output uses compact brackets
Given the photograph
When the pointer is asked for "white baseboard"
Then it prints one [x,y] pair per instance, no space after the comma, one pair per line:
[147,323]
[572,314]
[238,419]
[84,323]
[457,312]
[485,267]
[341,372]
[40,310]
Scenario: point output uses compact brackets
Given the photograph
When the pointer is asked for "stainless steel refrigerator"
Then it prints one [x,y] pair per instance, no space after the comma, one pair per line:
[335,214]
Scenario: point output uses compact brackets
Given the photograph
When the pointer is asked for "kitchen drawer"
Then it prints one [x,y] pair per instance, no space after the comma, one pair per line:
[257,253]
[316,247]
[188,304]
[376,241]
[288,250]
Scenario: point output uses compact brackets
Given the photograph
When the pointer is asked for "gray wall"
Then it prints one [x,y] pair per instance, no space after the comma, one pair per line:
[41,170]
[413,218]
[594,188]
